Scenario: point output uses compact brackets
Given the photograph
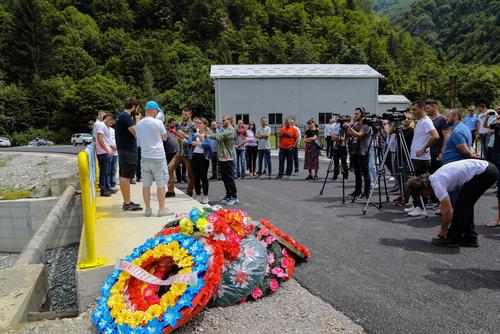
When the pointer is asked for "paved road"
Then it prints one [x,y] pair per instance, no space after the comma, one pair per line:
[65,149]
[380,269]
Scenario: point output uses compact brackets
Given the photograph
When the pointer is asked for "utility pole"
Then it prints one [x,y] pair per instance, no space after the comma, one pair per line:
[453,90]
[422,80]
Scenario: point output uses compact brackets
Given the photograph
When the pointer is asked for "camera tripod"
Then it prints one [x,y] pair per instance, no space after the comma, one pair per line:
[402,157]
[331,168]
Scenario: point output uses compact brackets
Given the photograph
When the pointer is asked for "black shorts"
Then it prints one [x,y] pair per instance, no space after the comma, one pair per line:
[127,161]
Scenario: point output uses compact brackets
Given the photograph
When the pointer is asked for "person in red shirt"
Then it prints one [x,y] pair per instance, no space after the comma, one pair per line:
[288,137]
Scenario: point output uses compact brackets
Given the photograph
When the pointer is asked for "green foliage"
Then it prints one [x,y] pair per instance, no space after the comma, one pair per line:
[67,59]
[13,193]
[23,138]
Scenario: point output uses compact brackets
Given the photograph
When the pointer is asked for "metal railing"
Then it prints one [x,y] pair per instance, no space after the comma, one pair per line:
[87,169]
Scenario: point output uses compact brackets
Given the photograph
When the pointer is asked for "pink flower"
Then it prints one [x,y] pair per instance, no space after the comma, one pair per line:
[257,293]
[274,285]
[278,272]
[284,252]
[264,232]
[284,263]
[270,258]
[268,269]
[270,240]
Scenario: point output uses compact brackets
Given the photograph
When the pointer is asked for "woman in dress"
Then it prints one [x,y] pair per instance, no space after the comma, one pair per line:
[251,149]
[311,161]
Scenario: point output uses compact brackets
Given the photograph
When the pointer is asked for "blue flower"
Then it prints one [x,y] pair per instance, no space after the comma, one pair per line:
[109,330]
[166,239]
[186,243]
[184,301]
[153,327]
[171,316]
[194,214]
[124,329]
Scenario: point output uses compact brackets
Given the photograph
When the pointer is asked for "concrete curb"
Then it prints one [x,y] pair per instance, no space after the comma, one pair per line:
[34,250]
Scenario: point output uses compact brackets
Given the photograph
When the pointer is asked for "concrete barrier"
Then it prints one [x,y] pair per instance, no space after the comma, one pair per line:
[23,289]
[20,219]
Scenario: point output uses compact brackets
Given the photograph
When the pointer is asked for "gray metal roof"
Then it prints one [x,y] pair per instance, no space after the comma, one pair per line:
[293,71]
[392,99]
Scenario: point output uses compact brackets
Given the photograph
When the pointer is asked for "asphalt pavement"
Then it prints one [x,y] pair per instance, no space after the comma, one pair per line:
[380,268]
[61,149]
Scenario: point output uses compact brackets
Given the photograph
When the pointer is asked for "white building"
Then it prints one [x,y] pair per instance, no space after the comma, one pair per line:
[386,102]
[250,92]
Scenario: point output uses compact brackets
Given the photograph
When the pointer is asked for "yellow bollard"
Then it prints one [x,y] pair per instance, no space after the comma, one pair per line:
[89,213]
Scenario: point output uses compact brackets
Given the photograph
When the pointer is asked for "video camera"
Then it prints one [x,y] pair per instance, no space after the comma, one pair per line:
[372,120]
[395,115]
[342,119]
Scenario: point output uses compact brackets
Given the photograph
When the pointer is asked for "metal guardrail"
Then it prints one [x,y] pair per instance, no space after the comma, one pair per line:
[87,169]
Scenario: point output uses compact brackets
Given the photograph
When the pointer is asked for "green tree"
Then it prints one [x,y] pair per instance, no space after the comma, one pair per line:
[27,47]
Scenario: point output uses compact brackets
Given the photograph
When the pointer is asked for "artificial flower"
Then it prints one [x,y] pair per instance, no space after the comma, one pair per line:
[274,285]
[257,293]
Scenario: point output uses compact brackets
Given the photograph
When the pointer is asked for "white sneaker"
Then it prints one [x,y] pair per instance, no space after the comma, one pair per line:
[204,200]
[374,185]
[148,212]
[390,179]
[410,209]
[162,212]
[417,212]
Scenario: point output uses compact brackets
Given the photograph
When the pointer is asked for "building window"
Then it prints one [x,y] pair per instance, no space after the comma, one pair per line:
[275,119]
[324,117]
[244,117]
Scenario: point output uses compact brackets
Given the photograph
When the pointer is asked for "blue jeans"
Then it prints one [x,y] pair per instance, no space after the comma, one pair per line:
[234,165]
[241,162]
[372,169]
[103,160]
[264,155]
[288,155]
[112,171]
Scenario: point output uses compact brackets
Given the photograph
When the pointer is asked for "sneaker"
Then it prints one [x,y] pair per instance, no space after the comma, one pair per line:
[285,177]
[407,210]
[112,191]
[131,207]
[148,212]
[335,177]
[374,185]
[232,201]
[162,212]
[264,173]
[442,242]
[417,213]
[390,179]
[468,243]
[204,200]
[225,199]
[295,173]
[278,177]
[105,194]
[170,194]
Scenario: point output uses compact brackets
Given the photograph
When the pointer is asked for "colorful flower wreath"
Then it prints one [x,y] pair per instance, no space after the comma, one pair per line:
[285,239]
[121,309]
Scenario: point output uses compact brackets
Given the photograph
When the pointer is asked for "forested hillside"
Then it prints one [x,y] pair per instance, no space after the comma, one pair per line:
[392,8]
[465,31]
[62,60]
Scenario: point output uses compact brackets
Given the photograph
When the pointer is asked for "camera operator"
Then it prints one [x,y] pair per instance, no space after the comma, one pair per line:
[398,160]
[361,134]
[458,186]
[495,126]
[425,134]
[339,151]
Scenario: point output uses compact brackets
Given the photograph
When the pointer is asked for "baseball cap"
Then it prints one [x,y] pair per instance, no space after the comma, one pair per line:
[153,105]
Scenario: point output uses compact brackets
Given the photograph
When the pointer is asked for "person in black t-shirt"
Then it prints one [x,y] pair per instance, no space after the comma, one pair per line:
[126,144]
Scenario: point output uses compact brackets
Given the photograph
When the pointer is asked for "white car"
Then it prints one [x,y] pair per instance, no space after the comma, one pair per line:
[4,142]
[81,139]
[40,142]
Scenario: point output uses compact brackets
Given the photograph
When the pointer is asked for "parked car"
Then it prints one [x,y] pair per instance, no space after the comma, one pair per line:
[40,142]
[4,142]
[81,139]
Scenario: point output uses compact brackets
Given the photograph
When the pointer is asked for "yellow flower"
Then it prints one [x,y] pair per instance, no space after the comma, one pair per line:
[201,224]
[180,254]
[177,289]
[186,262]
[187,226]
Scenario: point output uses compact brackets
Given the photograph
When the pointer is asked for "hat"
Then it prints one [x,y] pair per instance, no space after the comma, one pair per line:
[153,105]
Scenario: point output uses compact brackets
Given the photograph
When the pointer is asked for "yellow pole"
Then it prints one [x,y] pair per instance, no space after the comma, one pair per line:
[89,213]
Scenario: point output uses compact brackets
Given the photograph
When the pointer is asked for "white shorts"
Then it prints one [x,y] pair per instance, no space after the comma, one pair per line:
[154,170]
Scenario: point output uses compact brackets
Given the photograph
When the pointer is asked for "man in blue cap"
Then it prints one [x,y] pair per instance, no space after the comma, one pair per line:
[150,135]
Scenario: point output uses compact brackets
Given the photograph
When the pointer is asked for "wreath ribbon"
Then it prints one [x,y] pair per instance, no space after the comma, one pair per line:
[143,275]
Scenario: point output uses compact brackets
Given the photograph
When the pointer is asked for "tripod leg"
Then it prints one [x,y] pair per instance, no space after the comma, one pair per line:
[326,177]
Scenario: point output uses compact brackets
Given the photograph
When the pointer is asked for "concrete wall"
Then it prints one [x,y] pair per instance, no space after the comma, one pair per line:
[20,219]
[302,98]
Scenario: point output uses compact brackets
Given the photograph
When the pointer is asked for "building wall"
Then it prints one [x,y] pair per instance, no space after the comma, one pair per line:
[301,98]
[383,107]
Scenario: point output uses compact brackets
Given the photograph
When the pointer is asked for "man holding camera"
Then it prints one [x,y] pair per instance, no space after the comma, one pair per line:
[459,144]
[362,135]
[443,131]
[339,149]
[424,136]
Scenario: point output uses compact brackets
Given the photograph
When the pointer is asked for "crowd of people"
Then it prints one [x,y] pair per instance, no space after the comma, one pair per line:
[431,157]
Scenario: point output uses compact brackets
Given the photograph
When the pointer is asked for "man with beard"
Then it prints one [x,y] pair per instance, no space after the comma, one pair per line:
[459,143]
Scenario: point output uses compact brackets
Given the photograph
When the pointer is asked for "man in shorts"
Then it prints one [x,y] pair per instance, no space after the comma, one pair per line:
[150,134]
[126,144]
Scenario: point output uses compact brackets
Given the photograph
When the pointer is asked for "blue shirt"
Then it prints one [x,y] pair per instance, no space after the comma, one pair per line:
[460,134]
[471,122]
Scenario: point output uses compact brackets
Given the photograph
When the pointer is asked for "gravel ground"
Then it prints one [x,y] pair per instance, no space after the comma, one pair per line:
[32,170]
[292,309]
[61,264]
[7,260]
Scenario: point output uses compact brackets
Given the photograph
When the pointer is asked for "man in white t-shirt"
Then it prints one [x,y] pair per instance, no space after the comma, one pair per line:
[328,132]
[114,159]
[424,135]
[150,136]
[458,186]
[104,153]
